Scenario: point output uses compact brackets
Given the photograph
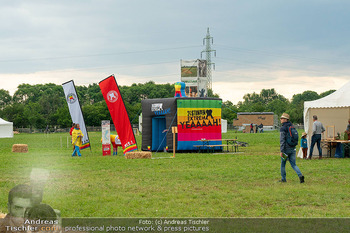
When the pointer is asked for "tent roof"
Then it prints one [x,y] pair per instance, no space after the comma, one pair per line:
[339,98]
[3,122]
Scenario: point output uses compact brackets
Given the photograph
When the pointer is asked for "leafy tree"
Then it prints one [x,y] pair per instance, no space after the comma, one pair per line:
[33,113]
[265,97]
[15,114]
[296,109]
[267,100]
[45,104]
[251,98]
[51,100]
[62,117]
[305,96]
[133,111]
[24,93]
[277,106]
[323,94]
[94,114]
[229,111]
[94,94]
[82,95]
[212,94]
[5,98]
[268,95]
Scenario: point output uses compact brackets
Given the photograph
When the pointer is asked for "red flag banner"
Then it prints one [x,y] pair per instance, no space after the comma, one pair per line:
[116,107]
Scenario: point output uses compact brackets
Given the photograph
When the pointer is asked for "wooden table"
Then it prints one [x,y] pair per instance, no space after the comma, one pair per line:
[328,142]
[206,144]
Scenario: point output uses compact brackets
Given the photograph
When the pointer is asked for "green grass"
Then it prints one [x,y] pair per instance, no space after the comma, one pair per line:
[190,185]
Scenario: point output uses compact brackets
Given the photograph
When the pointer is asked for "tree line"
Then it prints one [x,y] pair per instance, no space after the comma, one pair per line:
[41,105]
[268,100]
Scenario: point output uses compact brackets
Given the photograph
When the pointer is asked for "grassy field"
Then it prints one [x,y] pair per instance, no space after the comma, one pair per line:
[190,185]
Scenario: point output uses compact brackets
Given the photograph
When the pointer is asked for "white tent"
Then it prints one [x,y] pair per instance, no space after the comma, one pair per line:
[331,110]
[6,129]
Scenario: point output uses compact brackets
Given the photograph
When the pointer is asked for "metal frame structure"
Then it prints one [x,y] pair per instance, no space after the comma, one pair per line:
[208,41]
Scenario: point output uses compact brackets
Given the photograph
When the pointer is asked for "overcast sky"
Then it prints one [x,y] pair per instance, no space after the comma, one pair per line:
[291,46]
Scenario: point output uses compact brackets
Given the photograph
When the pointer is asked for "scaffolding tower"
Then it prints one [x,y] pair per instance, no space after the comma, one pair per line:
[208,41]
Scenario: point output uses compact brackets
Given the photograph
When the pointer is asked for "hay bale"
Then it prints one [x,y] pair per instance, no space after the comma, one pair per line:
[20,148]
[138,155]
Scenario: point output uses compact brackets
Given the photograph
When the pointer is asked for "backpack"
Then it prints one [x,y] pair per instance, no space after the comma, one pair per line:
[292,136]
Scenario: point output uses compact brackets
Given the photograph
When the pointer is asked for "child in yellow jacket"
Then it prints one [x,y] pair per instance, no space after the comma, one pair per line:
[77,136]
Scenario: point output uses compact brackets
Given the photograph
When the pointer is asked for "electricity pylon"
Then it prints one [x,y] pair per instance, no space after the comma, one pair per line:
[208,41]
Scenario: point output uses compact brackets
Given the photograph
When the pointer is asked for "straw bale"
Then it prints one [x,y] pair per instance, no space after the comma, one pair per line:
[20,148]
[138,155]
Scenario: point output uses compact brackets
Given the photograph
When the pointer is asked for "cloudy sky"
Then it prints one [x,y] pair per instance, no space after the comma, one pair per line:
[291,46]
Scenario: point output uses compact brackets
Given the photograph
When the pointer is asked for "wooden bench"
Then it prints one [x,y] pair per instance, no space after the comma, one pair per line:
[230,143]
[232,146]
[211,148]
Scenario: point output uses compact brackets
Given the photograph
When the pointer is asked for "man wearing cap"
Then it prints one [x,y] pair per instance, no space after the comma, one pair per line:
[317,130]
[288,150]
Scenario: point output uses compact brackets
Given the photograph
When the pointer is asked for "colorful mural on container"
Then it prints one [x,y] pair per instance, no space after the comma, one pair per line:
[198,119]
[195,118]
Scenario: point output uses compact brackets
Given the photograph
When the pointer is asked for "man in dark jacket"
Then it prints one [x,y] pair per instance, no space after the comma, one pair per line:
[287,152]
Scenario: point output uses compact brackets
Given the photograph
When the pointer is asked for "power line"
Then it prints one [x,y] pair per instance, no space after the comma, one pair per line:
[256,64]
[98,55]
[269,53]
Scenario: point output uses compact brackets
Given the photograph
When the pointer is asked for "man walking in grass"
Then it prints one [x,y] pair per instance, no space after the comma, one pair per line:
[287,148]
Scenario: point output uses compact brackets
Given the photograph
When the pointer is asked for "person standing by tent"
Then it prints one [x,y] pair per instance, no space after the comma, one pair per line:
[317,130]
[77,136]
[303,144]
[347,135]
[347,131]
[287,150]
